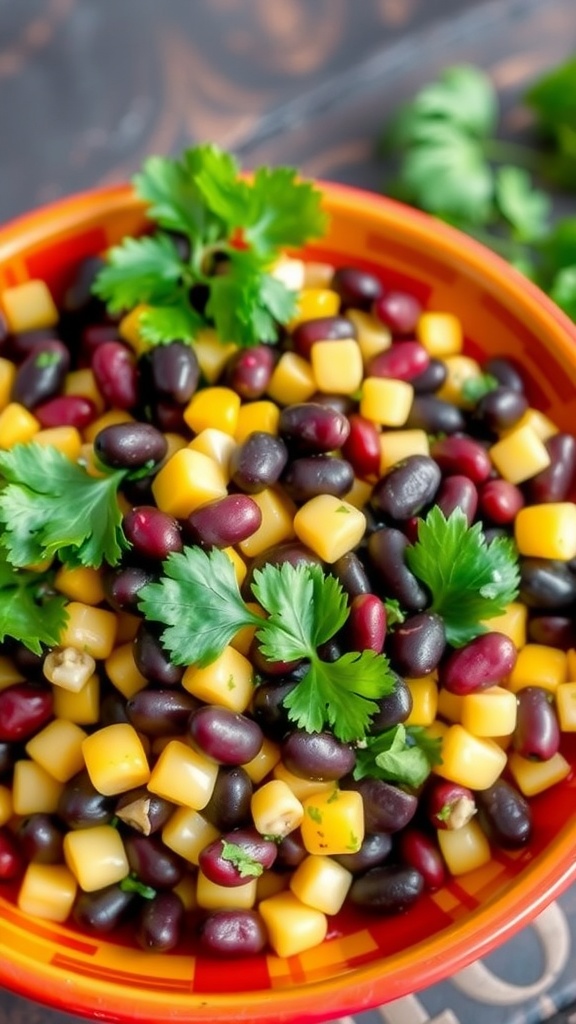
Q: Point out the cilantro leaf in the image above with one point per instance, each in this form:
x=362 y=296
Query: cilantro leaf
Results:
x=396 y=755
x=170 y=186
x=40 y=518
x=463 y=95
x=469 y=580
x=224 y=193
x=309 y=608
x=140 y=270
x=563 y=290
x=394 y=614
x=474 y=388
x=176 y=321
x=247 y=303
x=29 y=611
x=247 y=866
x=133 y=884
x=553 y=98
x=199 y=601
x=284 y=211
x=525 y=208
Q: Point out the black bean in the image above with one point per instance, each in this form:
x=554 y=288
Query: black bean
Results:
x=407 y=488
x=41 y=375
x=350 y=571
x=376 y=847
x=313 y=429
x=356 y=288
x=171 y=371
x=392 y=709
x=504 y=815
x=317 y=755
x=233 y=933
x=546 y=583
x=310 y=476
x=80 y=805
x=386 y=551
x=161 y=712
x=386 y=808
x=430 y=380
x=387 y=889
x=258 y=462
x=435 y=416
x=130 y=446
x=104 y=910
x=555 y=482
x=505 y=373
x=161 y=922
x=229 y=805
x=417 y=644
x=152 y=862
x=152 y=659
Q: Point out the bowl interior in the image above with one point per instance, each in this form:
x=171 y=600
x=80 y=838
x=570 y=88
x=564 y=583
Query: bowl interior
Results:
x=365 y=961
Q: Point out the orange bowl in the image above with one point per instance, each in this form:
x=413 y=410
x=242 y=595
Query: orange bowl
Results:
x=365 y=960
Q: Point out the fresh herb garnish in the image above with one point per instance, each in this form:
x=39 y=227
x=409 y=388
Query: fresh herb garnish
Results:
x=133 y=884
x=238 y=856
x=233 y=230
x=403 y=754
x=199 y=602
x=394 y=614
x=474 y=388
x=30 y=611
x=469 y=580
x=52 y=506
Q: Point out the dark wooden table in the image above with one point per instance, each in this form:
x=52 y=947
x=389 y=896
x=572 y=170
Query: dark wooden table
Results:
x=88 y=88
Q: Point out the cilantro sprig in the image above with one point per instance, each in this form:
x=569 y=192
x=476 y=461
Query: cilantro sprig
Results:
x=402 y=754
x=50 y=506
x=247 y=866
x=198 y=601
x=469 y=580
x=233 y=229
x=30 y=610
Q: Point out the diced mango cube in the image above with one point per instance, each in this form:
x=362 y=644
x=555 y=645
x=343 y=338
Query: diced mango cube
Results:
x=538 y=665
x=211 y=896
x=188 y=480
x=277 y=525
x=58 y=749
x=490 y=712
x=183 y=776
x=534 y=777
x=187 y=832
x=213 y=408
x=254 y=416
x=547 y=530
x=96 y=856
x=292 y=380
x=29 y=306
x=372 y=335
x=440 y=334
x=329 y=526
x=228 y=680
x=520 y=455
x=212 y=354
x=333 y=822
x=313 y=303
x=337 y=366
x=396 y=445
x=115 y=759
x=321 y=882
x=47 y=891
x=472 y=761
x=386 y=401
x=292 y=926
x=17 y=425
x=464 y=849
x=89 y=629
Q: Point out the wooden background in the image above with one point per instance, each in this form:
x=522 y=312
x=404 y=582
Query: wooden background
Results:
x=90 y=87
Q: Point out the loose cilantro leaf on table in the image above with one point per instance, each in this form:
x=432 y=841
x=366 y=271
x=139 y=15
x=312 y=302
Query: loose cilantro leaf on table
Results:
x=199 y=603
x=469 y=580
x=403 y=754
x=217 y=213
x=52 y=506
x=30 y=611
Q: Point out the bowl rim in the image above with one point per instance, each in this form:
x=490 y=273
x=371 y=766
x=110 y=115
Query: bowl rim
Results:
x=466 y=939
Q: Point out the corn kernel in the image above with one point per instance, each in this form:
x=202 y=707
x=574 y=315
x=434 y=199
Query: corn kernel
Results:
x=440 y=334
x=337 y=366
x=17 y=425
x=211 y=896
x=6 y=805
x=66 y=440
x=130 y=330
x=7 y=376
x=228 y=680
x=491 y=712
x=449 y=705
x=83 y=383
x=459 y=370
x=29 y=306
x=187 y=833
x=566 y=706
x=213 y=408
x=470 y=760
x=520 y=455
x=313 y=303
x=386 y=401
x=534 y=777
x=542 y=426
x=512 y=623
x=396 y=445
x=212 y=354
x=538 y=665
x=547 y=531
x=122 y=671
x=58 y=749
x=82 y=707
x=277 y=525
x=111 y=418
x=292 y=927
x=188 y=480
x=217 y=445
x=275 y=810
x=301 y=787
x=464 y=849
x=47 y=891
x=372 y=335
x=89 y=629
x=34 y=790
x=329 y=526
x=80 y=584
x=96 y=856
x=115 y=759
x=424 y=692
x=333 y=822
x=264 y=761
x=292 y=380
x=183 y=776
x=321 y=882
x=254 y=416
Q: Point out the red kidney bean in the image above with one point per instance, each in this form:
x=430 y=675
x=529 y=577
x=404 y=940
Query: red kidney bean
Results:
x=504 y=814
x=66 y=411
x=114 y=368
x=223 y=870
x=322 y=328
x=11 y=859
x=375 y=849
x=143 y=811
x=362 y=446
x=317 y=755
x=24 y=709
x=483 y=662
x=546 y=583
x=152 y=862
x=403 y=361
x=398 y=310
x=417 y=644
x=130 y=446
x=462 y=455
x=407 y=488
x=366 y=626
x=122 y=586
x=393 y=709
x=500 y=409
x=311 y=475
x=40 y=839
x=500 y=501
x=505 y=373
x=171 y=372
x=356 y=288
x=386 y=808
x=159 y=712
x=94 y=335
x=312 y=429
x=537 y=733
x=387 y=549
x=151 y=658
x=430 y=380
x=168 y=417
x=266 y=666
x=153 y=534
x=448 y=804
x=233 y=933
x=161 y=923
x=226 y=736
x=458 y=492
x=41 y=375
x=419 y=850
x=342 y=404
x=248 y=372
x=80 y=805
x=229 y=805
x=223 y=522
x=555 y=482
x=258 y=462
x=387 y=889
x=104 y=910
x=552 y=631
x=434 y=415
x=350 y=572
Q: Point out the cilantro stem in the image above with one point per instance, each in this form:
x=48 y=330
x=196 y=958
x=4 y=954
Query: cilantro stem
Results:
x=503 y=152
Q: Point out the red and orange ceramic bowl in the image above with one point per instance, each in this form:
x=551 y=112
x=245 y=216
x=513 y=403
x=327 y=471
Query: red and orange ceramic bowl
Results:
x=365 y=960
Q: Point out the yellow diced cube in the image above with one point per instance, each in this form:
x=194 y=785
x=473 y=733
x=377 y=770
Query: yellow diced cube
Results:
x=263 y=762
x=187 y=832
x=292 y=926
x=188 y=480
x=542 y=426
x=534 y=777
x=213 y=408
x=449 y=705
x=67 y=440
x=396 y=445
x=440 y=334
x=313 y=303
x=17 y=425
x=424 y=693
x=277 y=525
x=490 y=712
x=472 y=761
x=275 y=810
x=29 y=306
x=337 y=366
x=333 y=822
x=228 y=680
x=300 y=786
x=538 y=665
x=34 y=790
x=211 y=896
x=47 y=891
x=122 y=671
x=89 y=629
x=292 y=380
x=329 y=526
x=464 y=849
x=212 y=353
x=512 y=623
x=386 y=401
x=360 y=493
x=58 y=749
x=566 y=706
x=520 y=455
x=7 y=375
x=130 y=330
x=460 y=369
x=254 y=416
x=81 y=584
x=372 y=335
x=547 y=530
x=108 y=419
x=83 y=383
x=321 y=882
x=115 y=759
x=183 y=776
x=217 y=445
x=6 y=805
x=96 y=856
x=83 y=706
